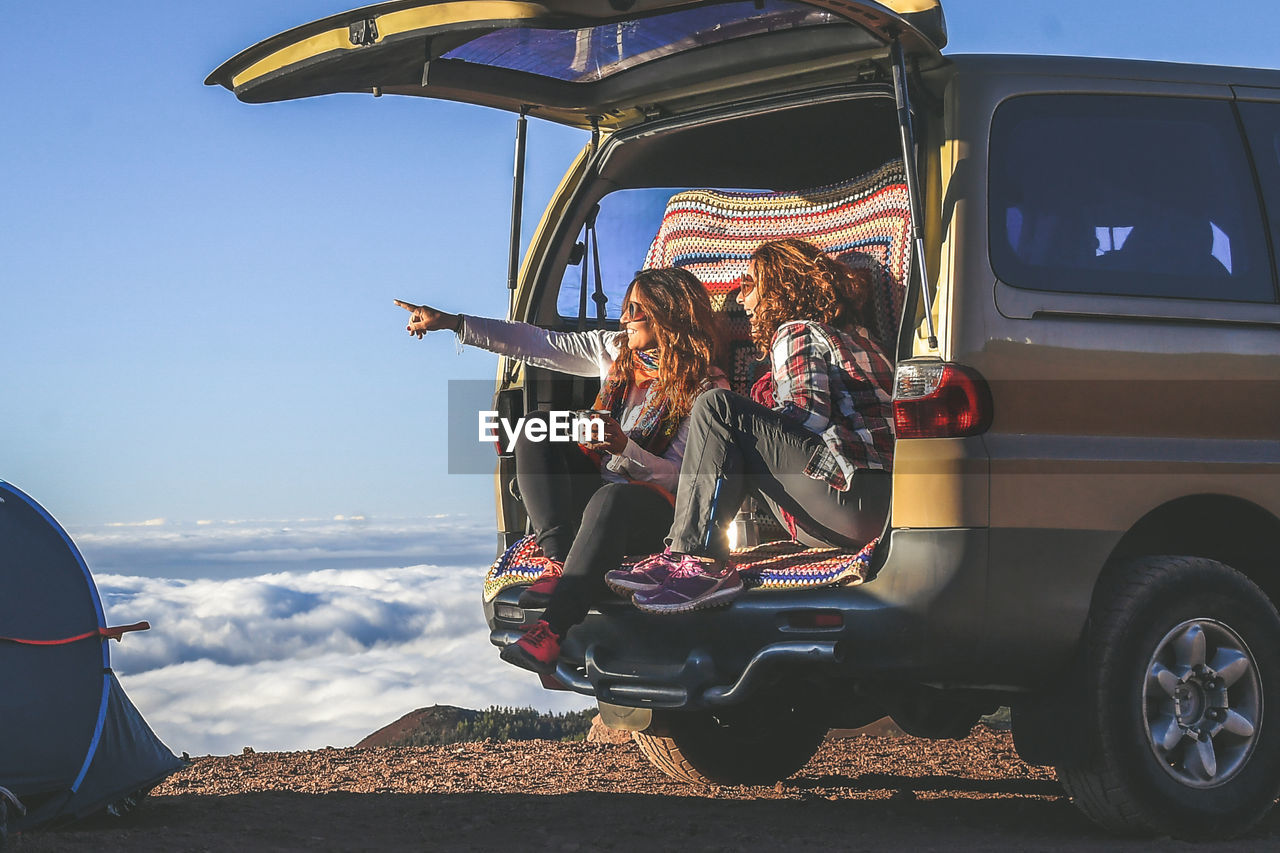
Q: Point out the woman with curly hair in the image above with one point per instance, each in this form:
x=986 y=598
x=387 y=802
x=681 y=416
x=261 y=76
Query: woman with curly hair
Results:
x=815 y=441
x=589 y=505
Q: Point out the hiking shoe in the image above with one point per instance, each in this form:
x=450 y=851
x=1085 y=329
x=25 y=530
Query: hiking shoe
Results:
x=645 y=576
x=538 y=650
x=692 y=585
x=539 y=593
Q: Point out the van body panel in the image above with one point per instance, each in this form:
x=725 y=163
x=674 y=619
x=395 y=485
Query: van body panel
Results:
x=940 y=482
x=1256 y=93
x=1020 y=303
x=1040 y=588
x=1018 y=72
x=1105 y=407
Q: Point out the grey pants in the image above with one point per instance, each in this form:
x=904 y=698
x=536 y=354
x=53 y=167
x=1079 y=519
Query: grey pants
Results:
x=736 y=448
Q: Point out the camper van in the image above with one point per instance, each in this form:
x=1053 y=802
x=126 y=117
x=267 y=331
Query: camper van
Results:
x=1075 y=267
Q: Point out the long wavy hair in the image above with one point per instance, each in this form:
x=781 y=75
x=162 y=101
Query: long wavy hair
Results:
x=688 y=332
x=797 y=281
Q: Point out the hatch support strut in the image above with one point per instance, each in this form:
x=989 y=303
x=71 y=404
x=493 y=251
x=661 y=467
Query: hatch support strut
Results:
x=517 y=208
x=907 y=131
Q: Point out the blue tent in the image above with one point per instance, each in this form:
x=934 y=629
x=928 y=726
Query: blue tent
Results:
x=71 y=742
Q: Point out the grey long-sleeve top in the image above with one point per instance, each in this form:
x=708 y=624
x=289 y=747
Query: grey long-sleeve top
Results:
x=584 y=354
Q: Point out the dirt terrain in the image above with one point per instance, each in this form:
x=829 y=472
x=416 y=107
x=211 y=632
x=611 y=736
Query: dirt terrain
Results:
x=858 y=793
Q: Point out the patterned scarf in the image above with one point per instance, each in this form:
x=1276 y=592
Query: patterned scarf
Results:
x=657 y=424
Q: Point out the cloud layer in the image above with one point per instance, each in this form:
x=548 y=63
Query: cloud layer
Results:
x=223 y=549
x=305 y=659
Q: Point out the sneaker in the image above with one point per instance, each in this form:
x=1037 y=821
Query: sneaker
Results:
x=539 y=593
x=538 y=650
x=648 y=575
x=692 y=585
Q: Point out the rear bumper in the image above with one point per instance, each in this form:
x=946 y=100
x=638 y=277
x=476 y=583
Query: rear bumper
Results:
x=919 y=619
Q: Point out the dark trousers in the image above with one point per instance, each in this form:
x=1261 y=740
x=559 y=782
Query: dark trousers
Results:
x=620 y=519
x=737 y=447
x=556 y=480
x=586 y=523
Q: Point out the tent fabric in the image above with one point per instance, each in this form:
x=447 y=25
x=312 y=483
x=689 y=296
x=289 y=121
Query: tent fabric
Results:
x=126 y=749
x=70 y=740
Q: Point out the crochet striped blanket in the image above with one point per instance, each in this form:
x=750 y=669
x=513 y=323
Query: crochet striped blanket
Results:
x=769 y=566
x=864 y=221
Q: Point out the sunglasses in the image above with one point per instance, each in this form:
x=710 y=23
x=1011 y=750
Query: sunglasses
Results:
x=633 y=313
x=746 y=284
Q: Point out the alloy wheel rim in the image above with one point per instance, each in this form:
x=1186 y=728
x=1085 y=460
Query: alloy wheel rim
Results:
x=1202 y=703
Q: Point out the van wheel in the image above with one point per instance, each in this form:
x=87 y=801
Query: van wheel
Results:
x=1183 y=710
x=751 y=748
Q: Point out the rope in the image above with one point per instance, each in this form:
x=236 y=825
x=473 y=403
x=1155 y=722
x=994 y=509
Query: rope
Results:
x=100 y=633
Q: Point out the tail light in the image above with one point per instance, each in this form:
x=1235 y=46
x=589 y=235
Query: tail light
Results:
x=936 y=399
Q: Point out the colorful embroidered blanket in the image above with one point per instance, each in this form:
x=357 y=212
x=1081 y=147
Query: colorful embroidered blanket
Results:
x=770 y=565
x=864 y=222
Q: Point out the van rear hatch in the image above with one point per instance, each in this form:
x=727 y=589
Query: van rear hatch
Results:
x=582 y=63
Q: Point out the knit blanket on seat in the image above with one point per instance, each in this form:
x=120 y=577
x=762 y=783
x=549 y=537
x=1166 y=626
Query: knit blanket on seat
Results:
x=768 y=566
x=864 y=221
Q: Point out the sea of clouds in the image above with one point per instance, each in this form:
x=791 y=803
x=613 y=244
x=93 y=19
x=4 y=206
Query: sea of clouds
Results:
x=223 y=549
x=285 y=636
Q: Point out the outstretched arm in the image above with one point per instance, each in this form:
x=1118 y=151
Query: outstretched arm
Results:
x=579 y=353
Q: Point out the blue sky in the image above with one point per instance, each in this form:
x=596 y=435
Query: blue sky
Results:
x=195 y=314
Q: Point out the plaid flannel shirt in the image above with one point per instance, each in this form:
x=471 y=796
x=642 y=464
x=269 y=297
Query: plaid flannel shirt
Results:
x=838 y=384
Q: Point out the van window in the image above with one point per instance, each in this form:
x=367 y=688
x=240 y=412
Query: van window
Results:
x=591 y=54
x=1262 y=124
x=625 y=227
x=1121 y=195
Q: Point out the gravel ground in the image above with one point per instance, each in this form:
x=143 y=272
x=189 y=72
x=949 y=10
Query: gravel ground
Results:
x=860 y=793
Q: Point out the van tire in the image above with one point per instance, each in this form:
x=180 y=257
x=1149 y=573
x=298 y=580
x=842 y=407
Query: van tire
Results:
x=1165 y=627
x=701 y=749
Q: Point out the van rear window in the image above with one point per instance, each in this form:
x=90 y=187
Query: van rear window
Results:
x=1125 y=195
x=625 y=226
x=593 y=53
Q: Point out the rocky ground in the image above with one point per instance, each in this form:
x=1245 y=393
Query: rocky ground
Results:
x=858 y=793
